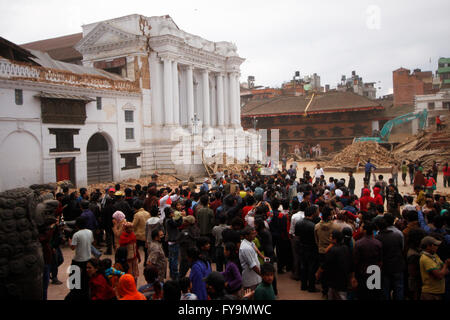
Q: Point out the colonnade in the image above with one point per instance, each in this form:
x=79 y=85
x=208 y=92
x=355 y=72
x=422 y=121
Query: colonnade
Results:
x=186 y=89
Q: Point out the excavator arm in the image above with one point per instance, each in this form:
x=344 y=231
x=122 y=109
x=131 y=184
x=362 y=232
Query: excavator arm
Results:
x=388 y=126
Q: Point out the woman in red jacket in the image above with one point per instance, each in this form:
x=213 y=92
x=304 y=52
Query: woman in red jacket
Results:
x=100 y=288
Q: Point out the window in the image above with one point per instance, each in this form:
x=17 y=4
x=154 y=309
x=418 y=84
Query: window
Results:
x=129 y=116
x=129 y=133
x=99 y=103
x=446 y=105
x=130 y=160
x=64 y=140
x=430 y=105
x=19 y=96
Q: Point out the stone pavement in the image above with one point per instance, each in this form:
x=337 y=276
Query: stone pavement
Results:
x=288 y=289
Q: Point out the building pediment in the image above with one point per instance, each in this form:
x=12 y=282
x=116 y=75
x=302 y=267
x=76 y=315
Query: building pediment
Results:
x=106 y=37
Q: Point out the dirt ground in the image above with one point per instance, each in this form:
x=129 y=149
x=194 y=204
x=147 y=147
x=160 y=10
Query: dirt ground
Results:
x=359 y=177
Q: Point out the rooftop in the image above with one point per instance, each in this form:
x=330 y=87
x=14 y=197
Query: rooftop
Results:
x=329 y=102
x=59 y=48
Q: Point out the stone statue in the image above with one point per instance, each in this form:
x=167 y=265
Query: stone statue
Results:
x=24 y=212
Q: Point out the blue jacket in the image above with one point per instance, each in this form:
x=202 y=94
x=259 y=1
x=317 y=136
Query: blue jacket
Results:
x=90 y=219
x=427 y=229
x=199 y=271
x=369 y=166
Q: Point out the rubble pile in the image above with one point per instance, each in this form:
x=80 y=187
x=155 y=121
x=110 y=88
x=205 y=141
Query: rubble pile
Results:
x=221 y=162
x=163 y=179
x=426 y=146
x=357 y=154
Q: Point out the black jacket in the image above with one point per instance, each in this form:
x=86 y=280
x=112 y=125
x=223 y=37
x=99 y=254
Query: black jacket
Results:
x=351 y=183
x=393 y=260
x=304 y=229
x=172 y=229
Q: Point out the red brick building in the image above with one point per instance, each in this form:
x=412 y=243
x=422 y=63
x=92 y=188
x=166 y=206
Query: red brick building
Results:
x=407 y=85
x=332 y=119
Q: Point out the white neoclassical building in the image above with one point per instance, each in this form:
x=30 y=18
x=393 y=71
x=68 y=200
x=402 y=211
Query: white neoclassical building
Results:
x=162 y=85
x=183 y=77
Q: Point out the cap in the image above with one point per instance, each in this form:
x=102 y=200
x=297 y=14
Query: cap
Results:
x=111 y=190
x=428 y=240
x=206 y=179
x=118 y=193
x=338 y=192
x=215 y=279
x=189 y=219
x=177 y=215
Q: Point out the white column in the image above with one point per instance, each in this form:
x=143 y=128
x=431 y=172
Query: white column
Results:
x=226 y=96
x=157 y=101
x=176 y=97
x=190 y=94
x=213 y=102
x=168 y=96
x=237 y=111
x=232 y=99
x=205 y=92
x=220 y=100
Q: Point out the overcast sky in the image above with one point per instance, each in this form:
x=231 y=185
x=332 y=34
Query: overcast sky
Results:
x=277 y=38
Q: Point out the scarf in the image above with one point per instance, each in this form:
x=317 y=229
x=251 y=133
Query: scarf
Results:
x=118 y=216
x=127 y=238
x=127 y=289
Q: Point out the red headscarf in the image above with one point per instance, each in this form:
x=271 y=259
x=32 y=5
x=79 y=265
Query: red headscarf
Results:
x=127 y=288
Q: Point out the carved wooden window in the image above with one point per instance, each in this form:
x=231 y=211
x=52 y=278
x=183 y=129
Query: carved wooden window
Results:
x=129 y=133
x=297 y=134
x=63 y=111
x=323 y=133
x=130 y=160
x=284 y=133
x=337 y=131
x=64 y=139
x=359 y=130
x=129 y=116
x=19 y=96
x=310 y=131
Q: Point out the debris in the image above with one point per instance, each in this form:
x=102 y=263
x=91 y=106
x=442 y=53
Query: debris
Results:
x=427 y=146
x=223 y=162
x=357 y=154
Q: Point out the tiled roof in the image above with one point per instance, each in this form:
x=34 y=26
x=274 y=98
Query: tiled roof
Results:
x=322 y=103
x=60 y=48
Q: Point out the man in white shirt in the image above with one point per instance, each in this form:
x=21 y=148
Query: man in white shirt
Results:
x=295 y=241
x=318 y=172
x=249 y=260
x=81 y=242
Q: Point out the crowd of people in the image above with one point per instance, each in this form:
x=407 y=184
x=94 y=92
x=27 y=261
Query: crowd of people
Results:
x=251 y=228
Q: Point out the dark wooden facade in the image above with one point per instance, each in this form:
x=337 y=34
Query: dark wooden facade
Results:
x=333 y=131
